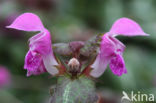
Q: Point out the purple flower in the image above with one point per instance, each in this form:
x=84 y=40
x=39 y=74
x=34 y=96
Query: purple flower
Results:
x=40 y=57
x=111 y=49
x=4 y=76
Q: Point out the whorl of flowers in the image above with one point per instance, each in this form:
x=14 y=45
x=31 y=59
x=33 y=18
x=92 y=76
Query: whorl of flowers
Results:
x=84 y=58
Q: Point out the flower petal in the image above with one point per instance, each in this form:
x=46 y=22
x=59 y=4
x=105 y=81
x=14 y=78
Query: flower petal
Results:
x=126 y=27
x=109 y=47
x=106 y=52
x=117 y=65
x=119 y=47
x=40 y=54
x=34 y=64
x=27 y=22
x=99 y=66
x=32 y=61
x=50 y=64
x=41 y=43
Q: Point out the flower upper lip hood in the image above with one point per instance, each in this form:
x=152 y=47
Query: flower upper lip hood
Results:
x=111 y=49
x=27 y=22
x=126 y=27
x=40 y=57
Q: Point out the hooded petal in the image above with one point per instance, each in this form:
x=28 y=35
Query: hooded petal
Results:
x=117 y=65
x=40 y=54
x=126 y=27
x=111 y=49
x=27 y=22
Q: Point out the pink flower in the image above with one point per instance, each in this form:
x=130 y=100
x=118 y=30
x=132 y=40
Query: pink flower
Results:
x=40 y=57
x=4 y=76
x=111 y=49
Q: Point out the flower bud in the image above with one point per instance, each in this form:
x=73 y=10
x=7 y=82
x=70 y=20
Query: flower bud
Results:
x=74 y=66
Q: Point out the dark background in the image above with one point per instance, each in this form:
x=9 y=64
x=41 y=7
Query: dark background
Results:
x=70 y=20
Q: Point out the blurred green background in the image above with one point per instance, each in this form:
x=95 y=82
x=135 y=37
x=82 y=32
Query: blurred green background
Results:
x=70 y=20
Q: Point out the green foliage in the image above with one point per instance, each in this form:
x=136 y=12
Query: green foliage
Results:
x=68 y=20
x=79 y=90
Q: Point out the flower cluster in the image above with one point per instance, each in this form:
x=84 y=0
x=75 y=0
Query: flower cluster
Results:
x=40 y=57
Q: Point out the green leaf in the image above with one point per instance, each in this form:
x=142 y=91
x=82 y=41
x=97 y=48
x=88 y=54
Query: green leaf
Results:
x=74 y=91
